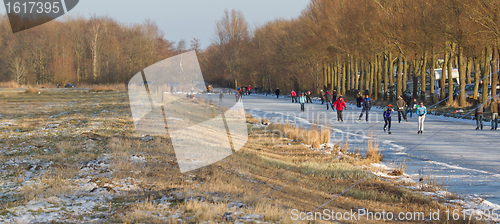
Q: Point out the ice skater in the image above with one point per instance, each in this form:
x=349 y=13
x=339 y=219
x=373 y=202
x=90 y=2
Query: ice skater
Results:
x=328 y=98
x=494 y=113
x=421 y=112
x=308 y=97
x=302 y=101
x=401 y=104
x=367 y=105
x=479 y=116
x=340 y=105
x=387 y=118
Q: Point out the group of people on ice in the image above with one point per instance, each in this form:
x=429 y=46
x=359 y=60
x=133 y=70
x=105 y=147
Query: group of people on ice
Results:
x=479 y=114
x=401 y=105
x=338 y=103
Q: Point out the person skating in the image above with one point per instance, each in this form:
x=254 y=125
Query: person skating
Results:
x=494 y=113
x=302 y=100
x=367 y=105
x=277 y=92
x=401 y=104
x=387 y=118
x=328 y=98
x=221 y=94
x=421 y=111
x=322 y=96
x=340 y=105
x=409 y=109
x=237 y=96
x=294 y=96
x=334 y=96
x=479 y=116
x=359 y=99
x=415 y=106
x=308 y=97
x=241 y=92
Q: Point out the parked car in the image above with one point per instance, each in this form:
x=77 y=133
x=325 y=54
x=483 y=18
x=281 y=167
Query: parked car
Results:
x=69 y=85
x=469 y=91
x=149 y=83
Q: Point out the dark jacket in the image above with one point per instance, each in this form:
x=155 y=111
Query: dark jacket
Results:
x=367 y=103
x=401 y=104
x=328 y=97
x=277 y=92
x=359 y=99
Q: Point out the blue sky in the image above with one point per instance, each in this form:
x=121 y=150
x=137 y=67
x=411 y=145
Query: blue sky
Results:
x=188 y=19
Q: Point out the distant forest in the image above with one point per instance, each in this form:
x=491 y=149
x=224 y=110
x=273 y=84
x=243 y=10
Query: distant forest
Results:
x=347 y=45
x=78 y=50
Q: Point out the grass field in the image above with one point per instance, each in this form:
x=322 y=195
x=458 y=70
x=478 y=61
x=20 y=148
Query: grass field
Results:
x=74 y=156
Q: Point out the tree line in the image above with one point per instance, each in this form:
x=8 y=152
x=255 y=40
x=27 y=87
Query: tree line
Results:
x=78 y=50
x=379 y=47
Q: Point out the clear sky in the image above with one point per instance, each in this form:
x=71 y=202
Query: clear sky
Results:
x=188 y=19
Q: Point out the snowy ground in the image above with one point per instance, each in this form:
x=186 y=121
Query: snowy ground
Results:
x=450 y=151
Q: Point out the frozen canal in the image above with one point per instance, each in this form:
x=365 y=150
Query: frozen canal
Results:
x=450 y=151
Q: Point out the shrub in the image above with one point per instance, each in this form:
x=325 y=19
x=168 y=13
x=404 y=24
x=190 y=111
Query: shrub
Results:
x=32 y=91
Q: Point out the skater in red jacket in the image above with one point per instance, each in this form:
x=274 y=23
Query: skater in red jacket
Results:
x=340 y=105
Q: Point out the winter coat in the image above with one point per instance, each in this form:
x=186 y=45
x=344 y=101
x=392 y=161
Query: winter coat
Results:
x=277 y=92
x=302 y=99
x=421 y=110
x=401 y=104
x=294 y=94
x=367 y=103
x=480 y=109
x=328 y=97
x=359 y=99
x=494 y=107
x=388 y=112
x=339 y=104
x=410 y=103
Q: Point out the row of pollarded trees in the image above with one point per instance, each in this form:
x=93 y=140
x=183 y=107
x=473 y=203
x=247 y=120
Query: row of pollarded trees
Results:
x=79 y=50
x=364 y=45
x=391 y=42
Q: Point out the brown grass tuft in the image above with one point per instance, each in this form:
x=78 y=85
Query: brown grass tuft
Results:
x=372 y=153
x=103 y=89
x=32 y=91
x=315 y=136
x=399 y=170
x=10 y=84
